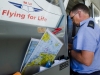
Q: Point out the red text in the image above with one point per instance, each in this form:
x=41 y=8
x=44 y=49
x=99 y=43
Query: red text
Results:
x=27 y=3
x=13 y=14
x=41 y=18
x=31 y=17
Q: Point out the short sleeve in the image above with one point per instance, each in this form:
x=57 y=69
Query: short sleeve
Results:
x=85 y=40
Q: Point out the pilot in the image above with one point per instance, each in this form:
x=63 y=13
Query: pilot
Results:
x=85 y=53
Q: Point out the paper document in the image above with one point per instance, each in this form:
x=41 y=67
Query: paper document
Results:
x=33 y=43
x=46 y=50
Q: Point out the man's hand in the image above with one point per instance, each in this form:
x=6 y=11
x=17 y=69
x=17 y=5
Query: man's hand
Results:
x=69 y=46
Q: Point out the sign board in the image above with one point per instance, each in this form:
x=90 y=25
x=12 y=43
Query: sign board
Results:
x=34 y=12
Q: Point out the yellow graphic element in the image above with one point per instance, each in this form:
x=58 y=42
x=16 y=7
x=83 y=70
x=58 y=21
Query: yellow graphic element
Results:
x=42 y=59
x=57 y=44
x=46 y=37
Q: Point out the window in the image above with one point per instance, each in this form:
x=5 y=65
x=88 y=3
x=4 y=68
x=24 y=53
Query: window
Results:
x=96 y=14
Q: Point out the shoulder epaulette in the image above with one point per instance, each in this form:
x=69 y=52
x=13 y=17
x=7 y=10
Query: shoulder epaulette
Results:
x=91 y=24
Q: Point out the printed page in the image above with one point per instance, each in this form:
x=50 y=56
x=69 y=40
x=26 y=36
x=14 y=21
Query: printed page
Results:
x=33 y=43
x=46 y=50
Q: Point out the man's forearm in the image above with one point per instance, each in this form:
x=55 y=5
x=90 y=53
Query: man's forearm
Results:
x=77 y=56
x=85 y=57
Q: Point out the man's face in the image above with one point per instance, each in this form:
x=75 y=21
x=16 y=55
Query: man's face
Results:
x=75 y=18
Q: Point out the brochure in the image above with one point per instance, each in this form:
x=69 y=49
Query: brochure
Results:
x=33 y=43
x=46 y=49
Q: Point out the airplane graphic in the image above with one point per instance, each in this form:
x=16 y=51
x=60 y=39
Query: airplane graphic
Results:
x=25 y=7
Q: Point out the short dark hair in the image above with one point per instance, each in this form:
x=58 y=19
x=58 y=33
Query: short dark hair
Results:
x=82 y=7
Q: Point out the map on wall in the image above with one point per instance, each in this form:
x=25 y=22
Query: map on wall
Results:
x=46 y=50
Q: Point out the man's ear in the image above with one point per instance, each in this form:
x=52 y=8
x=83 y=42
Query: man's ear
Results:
x=80 y=13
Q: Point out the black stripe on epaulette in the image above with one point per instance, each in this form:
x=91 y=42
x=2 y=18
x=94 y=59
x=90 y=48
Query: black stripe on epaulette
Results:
x=91 y=24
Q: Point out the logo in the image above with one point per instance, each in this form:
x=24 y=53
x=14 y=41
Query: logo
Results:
x=25 y=7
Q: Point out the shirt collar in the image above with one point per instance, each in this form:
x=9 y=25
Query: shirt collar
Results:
x=83 y=22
